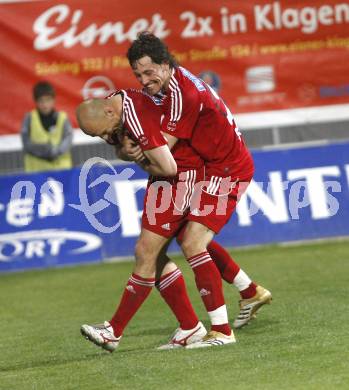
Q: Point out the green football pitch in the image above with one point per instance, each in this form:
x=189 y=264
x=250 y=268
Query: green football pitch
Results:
x=301 y=341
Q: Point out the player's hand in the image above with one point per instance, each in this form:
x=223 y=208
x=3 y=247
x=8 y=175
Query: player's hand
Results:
x=132 y=150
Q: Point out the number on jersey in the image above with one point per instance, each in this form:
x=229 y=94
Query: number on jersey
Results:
x=229 y=115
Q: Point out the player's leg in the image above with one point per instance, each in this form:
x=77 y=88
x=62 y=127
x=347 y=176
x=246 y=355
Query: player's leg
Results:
x=253 y=296
x=166 y=221
x=172 y=288
x=137 y=289
x=208 y=281
x=230 y=270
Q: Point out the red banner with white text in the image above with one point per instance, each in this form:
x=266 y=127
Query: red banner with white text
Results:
x=259 y=55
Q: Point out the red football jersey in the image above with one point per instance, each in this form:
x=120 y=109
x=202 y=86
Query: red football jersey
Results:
x=194 y=112
x=142 y=116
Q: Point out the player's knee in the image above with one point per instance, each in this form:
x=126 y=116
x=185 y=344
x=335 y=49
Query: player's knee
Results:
x=191 y=247
x=144 y=254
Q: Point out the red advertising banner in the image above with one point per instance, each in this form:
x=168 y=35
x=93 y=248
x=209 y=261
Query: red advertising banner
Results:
x=260 y=55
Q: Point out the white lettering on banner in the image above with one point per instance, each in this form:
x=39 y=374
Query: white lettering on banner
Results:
x=272 y=203
x=346 y=167
x=41 y=243
x=300 y=198
x=312 y=192
x=16 y=246
x=232 y=23
x=127 y=202
x=55 y=245
x=40 y=248
x=35 y=248
x=46 y=27
x=322 y=204
x=193 y=21
x=50 y=27
x=20 y=209
x=20 y=212
x=274 y=17
x=52 y=199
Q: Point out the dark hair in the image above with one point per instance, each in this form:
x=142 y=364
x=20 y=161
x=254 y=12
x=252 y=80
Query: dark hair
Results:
x=43 y=88
x=147 y=44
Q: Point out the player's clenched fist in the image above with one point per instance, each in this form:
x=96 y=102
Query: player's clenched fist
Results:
x=132 y=150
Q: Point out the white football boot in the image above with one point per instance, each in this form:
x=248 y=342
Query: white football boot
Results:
x=249 y=307
x=213 y=339
x=101 y=335
x=182 y=338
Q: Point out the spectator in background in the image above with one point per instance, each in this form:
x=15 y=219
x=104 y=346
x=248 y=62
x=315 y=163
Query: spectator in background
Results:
x=46 y=133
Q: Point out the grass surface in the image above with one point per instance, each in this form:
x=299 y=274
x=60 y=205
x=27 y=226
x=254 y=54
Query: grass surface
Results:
x=301 y=341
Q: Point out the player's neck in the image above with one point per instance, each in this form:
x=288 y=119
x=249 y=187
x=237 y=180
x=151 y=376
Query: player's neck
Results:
x=167 y=82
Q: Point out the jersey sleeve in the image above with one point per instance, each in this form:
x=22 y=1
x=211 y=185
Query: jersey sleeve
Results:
x=181 y=112
x=142 y=121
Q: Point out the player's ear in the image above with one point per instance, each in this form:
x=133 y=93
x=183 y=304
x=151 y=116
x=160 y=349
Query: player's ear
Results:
x=109 y=111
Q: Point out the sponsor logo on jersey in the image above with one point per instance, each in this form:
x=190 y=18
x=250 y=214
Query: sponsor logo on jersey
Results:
x=171 y=126
x=143 y=140
x=197 y=82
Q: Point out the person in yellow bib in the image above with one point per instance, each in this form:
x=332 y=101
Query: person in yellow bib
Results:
x=46 y=133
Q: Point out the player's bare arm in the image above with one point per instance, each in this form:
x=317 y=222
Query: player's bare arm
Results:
x=171 y=140
x=131 y=151
x=161 y=162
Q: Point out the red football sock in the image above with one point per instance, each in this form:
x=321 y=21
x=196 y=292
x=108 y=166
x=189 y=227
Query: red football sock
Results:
x=224 y=262
x=249 y=292
x=136 y=292
x=229 y=270
x=209 y=283
x=172 y=288
x=223 y=328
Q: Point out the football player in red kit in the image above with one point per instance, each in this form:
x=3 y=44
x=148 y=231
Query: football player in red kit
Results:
x=221 y=192
x=112 y=119
x=193 y=112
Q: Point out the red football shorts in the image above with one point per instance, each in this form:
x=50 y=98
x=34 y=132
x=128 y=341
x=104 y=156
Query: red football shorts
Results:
x=215 y=203
x=170 y=203
x=167 y=202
